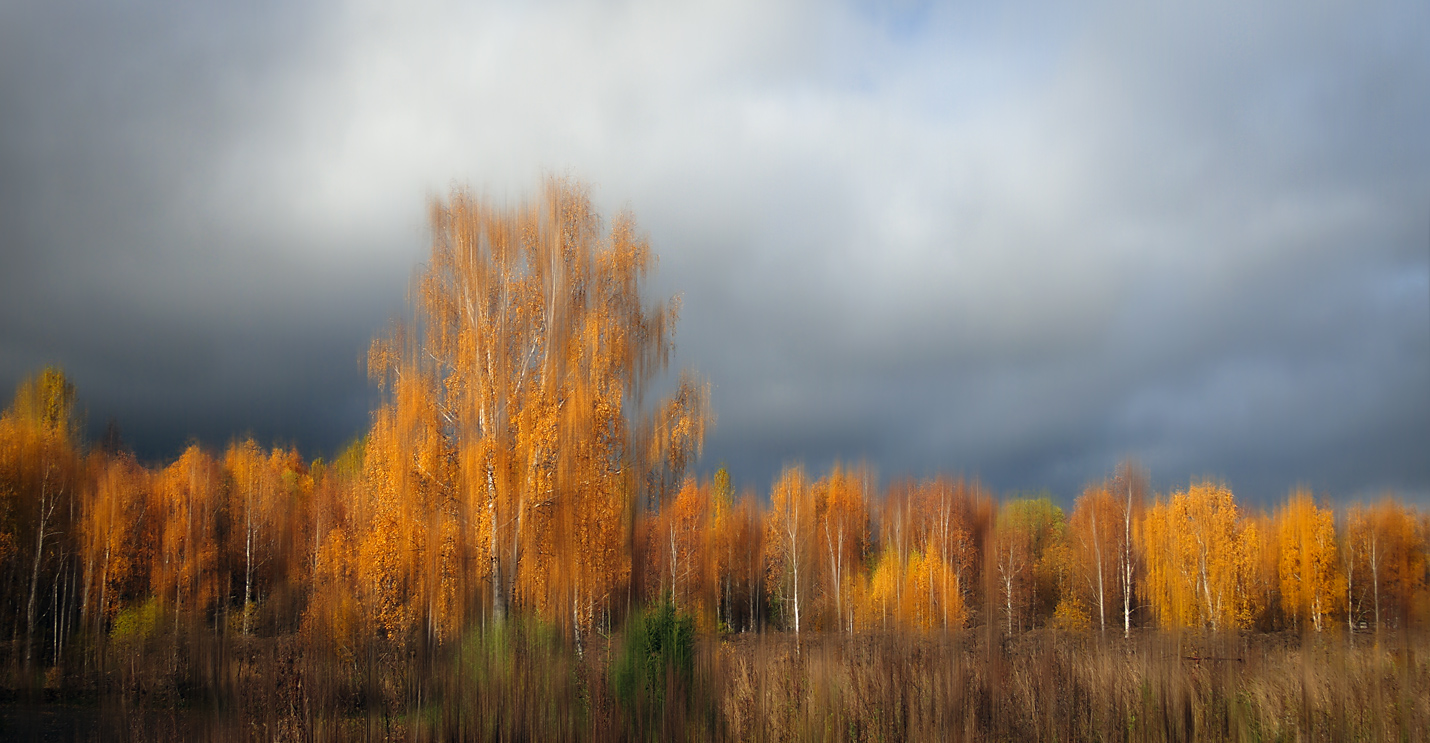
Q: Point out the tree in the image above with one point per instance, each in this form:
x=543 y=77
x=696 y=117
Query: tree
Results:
x=1306 y=543
x=534 y=343
x=1387 y=561
x=254 y=502
x=679 y=546
x=38 y=435
x=788 y=531
x=1094 y=525
x=1129 y=484
x=1102 y=526
x=1026 y=529
x=946 y=521
x=114 y=550
x=720 y=544
x=1200 y=559
x=186 y=498
x=842 y=515
x=749 y=555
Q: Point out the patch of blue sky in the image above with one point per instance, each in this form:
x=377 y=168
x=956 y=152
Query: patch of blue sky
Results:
x=948 y=60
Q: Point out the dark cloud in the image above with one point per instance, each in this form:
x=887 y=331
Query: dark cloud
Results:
x=1020 y=243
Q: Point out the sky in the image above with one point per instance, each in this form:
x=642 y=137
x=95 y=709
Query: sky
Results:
x=1020 y=243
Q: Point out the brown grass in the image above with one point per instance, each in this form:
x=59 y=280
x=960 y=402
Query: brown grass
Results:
x=1056 y=686
x=527 y=685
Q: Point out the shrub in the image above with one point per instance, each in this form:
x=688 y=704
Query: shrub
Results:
x=653 y=676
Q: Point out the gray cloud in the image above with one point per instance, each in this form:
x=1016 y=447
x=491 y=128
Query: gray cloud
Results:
x=1020 y=244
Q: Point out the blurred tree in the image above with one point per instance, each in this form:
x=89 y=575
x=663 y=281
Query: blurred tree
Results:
x=1028 y=565
x=789 y=532
x=39 y=463
x=1201 y=559
x=534 y=346
x=1306 y=542
x=1102 y=525
x=185 y=496
x=1387 y=557
x=842 y=516
x=116 y=553
x=1094 y=526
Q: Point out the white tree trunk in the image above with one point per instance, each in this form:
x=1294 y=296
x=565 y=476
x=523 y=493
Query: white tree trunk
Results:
x=1097 y=552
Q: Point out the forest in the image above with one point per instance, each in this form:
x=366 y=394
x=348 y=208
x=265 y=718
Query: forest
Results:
x=517 y=548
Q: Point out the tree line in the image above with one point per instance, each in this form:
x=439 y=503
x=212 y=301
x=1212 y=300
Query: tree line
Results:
x=517 y=466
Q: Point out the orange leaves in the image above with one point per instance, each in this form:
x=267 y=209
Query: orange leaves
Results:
x=1307 y=564
x=506 y=443
x=46 y=403
x=116 y=548
x=789 y=531
x=1026 y=566
x=1104 y=554
x=842 y=526
x=920 y=592
x=679 y=433
x=1387 y=548
x=678 y=545
x=1201 y=558
x=186 y=496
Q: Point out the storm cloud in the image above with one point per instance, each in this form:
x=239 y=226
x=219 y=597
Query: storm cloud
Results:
x=1020 y=244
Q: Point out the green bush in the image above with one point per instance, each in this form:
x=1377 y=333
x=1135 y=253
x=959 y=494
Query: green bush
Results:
x=657 y=657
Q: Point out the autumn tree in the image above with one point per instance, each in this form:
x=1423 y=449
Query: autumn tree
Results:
x=534 y=344
x=842 y=522
x=748 y=561
x=1026 y=532
x=39 y=463
x=1307 y=564
x=898 y=537
x=1101 y=526
x=789 y=532
x=252 y=503
x=678 y=546
x=957 y=517
x=1094 y=524
x=930 y=535
x=1200 y=559
x=722 y=529
x=185 y=497
x=1387 y=561
x=409 y=508
x=116 y=554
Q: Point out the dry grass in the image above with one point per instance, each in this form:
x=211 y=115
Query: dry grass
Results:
x=1056 y=686
x=527 y=685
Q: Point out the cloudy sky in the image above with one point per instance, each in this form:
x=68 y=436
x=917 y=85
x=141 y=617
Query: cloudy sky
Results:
x=1019 y=244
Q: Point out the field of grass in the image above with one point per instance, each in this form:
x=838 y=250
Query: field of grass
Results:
x=524 y=684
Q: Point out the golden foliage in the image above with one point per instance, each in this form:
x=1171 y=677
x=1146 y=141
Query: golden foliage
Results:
x=1201 y=558
x=1307 y=564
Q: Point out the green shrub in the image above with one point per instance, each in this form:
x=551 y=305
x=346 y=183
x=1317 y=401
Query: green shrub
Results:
x=657 y=656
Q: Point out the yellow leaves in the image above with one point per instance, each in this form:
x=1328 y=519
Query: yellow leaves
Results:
x=1307 y=564
x=679 y=432
x=1201 y=557
x=1387 y=553
x=115 y=543
x=384 y=581
x=46 y=403
x=184 y=499
x=1071 y=614
x=788 y=533
x=919 y=592
x=534 y=335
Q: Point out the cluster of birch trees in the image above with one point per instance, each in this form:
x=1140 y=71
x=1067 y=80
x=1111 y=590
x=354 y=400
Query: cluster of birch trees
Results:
x=516 y=464
x=837 y=554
